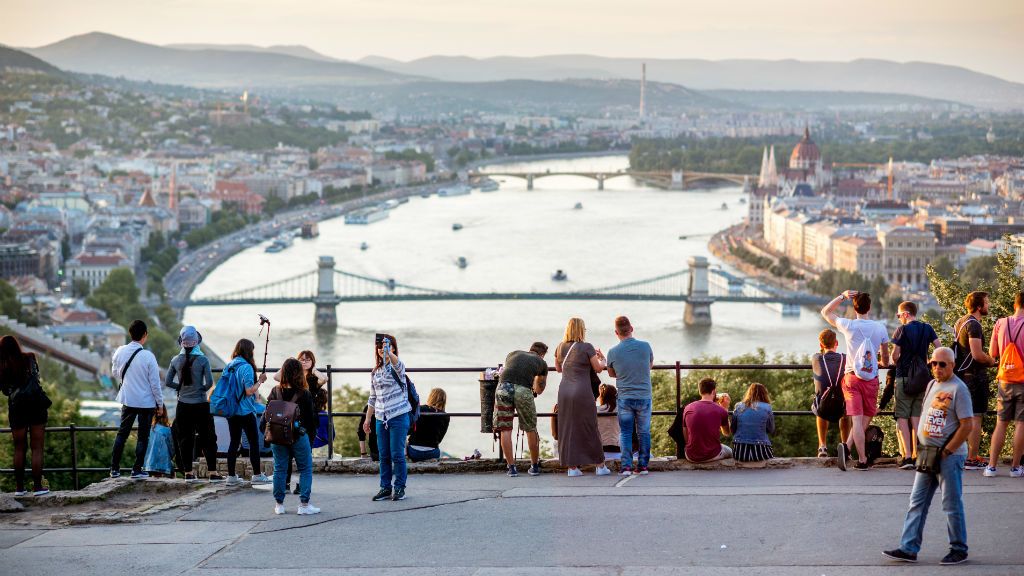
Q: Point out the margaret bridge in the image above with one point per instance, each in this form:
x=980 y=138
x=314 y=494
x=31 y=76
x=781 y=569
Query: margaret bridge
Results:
x=697 y=287
x=670 y=179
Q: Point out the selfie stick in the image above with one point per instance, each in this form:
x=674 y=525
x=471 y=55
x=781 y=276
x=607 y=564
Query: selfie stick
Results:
x=266 y=343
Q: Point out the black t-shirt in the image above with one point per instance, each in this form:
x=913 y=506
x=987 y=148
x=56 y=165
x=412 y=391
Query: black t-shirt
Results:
x=521 y=367
x=913 y=338
x=967 y=367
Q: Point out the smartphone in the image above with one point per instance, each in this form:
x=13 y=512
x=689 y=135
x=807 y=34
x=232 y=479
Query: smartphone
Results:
x=378 y=339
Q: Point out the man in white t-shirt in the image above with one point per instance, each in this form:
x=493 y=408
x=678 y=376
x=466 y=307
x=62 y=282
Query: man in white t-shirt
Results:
x=867 y=349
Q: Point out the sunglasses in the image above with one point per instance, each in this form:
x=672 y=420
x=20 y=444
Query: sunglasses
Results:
x=938 y=363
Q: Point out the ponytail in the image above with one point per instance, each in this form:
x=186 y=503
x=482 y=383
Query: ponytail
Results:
x=186 y=367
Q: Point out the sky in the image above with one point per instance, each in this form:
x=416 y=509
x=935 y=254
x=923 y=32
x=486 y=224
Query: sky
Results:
x=983 y=35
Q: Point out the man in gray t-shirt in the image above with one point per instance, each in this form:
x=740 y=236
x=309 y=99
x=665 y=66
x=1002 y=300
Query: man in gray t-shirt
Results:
x=946 y=421
x=630 y=362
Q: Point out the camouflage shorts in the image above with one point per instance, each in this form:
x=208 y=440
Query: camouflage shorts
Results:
x=509 y=400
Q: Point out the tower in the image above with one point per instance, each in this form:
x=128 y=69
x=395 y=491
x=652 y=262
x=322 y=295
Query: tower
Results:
x=172 y=192
x=643 y=90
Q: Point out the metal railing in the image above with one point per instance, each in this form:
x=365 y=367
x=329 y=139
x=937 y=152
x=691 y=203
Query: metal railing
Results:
x=677 y=368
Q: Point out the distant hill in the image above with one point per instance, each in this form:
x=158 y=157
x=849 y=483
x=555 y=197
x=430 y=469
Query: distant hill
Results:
x=297 y=50
x=879 y=76
x=820 y=101
x=99 y=53
x=11 y=59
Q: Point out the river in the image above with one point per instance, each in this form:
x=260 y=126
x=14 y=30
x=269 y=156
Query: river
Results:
x=513 y=240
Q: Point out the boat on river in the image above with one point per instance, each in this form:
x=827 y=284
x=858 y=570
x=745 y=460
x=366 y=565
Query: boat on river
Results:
x=559 y=276
x=461 y=262
x=366 y=216
x=364 y=246
x=456 y=227
x=456 y=190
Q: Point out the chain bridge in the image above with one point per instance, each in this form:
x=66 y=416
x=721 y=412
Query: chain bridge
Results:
x=697 y=287
x=671 y=179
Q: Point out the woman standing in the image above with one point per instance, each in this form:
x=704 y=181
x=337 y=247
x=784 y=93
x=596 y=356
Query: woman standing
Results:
x=425 y=441
x=579 y=442
x=189 y=375
x=28 y=409
x=315 y=381
x=752 y=422
x=389 y=404
x=293 y=389
x=243 y=366
x=827 y=367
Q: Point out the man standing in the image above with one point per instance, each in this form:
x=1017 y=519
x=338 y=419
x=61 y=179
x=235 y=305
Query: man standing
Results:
x=524 y=377
x=972 y=367
x=865 y=344
x=630 y=362
x=702 y=422
x=946 y=421
x=1006 y=346
x=140 y=396
x=910 y=347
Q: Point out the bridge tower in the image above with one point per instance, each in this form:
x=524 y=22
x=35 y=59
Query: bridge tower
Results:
x=529 y=181
x=326 y=299
x=677 y=180
x=600 y=181
x=698 y=303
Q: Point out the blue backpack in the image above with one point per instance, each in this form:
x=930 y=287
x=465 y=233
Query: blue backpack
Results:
x=227 y=395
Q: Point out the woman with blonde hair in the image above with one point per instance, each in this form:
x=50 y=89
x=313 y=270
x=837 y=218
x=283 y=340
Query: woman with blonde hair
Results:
x=425 y=441
x=827 y=367
x=579 y=442
x=752 y=421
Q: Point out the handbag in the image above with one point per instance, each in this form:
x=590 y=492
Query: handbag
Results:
x=929 y=459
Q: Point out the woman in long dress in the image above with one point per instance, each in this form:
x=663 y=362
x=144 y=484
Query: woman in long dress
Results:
x=579 y=442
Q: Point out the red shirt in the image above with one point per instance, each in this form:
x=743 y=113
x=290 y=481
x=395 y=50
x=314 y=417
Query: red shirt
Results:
x=703 y=421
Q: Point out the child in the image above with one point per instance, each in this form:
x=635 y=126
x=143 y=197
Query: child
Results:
x=160 y=453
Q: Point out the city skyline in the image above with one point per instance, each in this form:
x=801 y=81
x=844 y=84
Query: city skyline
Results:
x=985 y=40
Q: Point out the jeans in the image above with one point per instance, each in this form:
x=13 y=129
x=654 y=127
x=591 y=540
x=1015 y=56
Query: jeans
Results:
x=421 y=455
x=950 y=479
x=237 y=425
x=128 y=415
x=639 y=411
x=391 y=445
x=303 y=456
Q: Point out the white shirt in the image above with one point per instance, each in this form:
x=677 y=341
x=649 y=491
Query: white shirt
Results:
x=856 y=332
x=141 y=385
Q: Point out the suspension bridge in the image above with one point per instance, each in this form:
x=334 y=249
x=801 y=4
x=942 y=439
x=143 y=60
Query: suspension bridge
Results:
x=670 y=179
x=697 y=287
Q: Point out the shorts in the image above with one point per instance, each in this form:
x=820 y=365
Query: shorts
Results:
x=981 y=392
x=861 y=395
x=1010 y=402
x=510 y=399
x=906 y=406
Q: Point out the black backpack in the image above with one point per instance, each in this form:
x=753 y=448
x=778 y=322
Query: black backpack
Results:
x=831 y=405
x=873 y=438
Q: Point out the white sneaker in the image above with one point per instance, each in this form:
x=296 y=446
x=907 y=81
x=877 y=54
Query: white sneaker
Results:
x=1016 y=471
x=233 y=481
x=20 y=493
x=278 y=508
x=989 y=472
x=603 y=470
x=260 y=478
x=574 y=472
x=308 y=509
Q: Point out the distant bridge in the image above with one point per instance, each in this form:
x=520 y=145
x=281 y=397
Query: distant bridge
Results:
x=328 y=287
x=671 y=179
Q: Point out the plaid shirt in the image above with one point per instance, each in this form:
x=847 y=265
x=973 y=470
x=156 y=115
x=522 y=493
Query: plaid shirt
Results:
x=388 y=398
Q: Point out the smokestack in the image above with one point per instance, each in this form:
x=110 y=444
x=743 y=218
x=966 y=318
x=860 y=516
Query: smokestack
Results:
x=643 y=90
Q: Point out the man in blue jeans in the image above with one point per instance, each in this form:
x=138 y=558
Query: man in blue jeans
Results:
x=946 y=421
x=630 y=362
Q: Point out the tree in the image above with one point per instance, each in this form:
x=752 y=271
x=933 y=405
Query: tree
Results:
x=10 y=306
x=981 y=270
x=347 y=398
x=80 y=287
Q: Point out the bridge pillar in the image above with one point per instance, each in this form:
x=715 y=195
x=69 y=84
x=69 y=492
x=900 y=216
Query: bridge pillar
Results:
x=697 y=311
x=677 y=180
x=326 y=299
x=600 y=181
x=529 y=181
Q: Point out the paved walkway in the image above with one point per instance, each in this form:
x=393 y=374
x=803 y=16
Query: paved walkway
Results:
x=723 y=522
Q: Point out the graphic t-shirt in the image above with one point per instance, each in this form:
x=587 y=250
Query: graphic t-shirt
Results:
x=945 y=405
x=703 y=420
x=872 y=335
x=913 y=338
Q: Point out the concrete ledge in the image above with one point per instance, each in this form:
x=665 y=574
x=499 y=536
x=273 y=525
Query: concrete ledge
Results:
x=104 y=490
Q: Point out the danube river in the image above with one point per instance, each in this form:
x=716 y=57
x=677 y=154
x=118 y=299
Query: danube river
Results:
x=513 y=240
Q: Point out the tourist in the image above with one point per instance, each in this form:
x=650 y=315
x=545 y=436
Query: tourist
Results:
x=389 y=404
x=828 y=366
x=702 y=422
x=910 y=344
x=160 y=453
x=972 y=364
x=243 y=372
x=293 y=389
x=425 y=440
x=630 y=362
x=608 y=426
x=866 y=343
x=140 y=397
x=525 y=376
x=945 y=423
x=1006 y=347
x=367 y=440
x=579 y=443
x=752 y=421
x=316 y=381
x=27 y=409
x=189 y=375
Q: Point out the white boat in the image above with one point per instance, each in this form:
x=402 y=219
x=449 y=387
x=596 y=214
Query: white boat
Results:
x=366 y=216
x=390 y=204
x=456 y=190
x=280 y=243
x=488 y=185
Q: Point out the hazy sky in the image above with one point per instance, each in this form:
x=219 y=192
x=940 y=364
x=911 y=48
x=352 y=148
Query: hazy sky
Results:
x=984 y=35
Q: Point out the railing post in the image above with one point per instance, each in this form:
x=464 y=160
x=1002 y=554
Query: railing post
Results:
x=74 y=456
x=679 y=384
x=330 y=414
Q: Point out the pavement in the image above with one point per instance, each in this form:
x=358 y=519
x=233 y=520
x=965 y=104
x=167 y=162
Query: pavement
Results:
x=801 y=520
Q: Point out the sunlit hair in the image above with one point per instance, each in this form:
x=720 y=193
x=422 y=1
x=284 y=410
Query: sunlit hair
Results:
x=908 y=307
x=827 y=339
x=575 y=330
x=757 y=392
x=437 y=399
x=607 y=395
x=1018 y=300
x=291 y=375
x=378 y=359
x=975 y=301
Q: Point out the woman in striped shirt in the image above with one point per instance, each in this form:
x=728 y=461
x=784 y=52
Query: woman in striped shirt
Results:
x=389 y=403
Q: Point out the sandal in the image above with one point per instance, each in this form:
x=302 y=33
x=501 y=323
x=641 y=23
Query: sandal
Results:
x=822 y=452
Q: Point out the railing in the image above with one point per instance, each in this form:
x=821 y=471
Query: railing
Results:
x=677 y=368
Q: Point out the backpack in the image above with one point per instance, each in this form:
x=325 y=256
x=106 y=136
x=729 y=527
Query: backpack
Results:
x=413 y=397
x=873 y=438
x=283 y=418
x=918 y=375
x=831 y=405
x=958 y=350
x=864 y=365
x=1011 y=366
x=227 y=395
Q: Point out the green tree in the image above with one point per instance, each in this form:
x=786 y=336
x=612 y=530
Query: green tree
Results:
x=347 y=398
x=10 y=306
